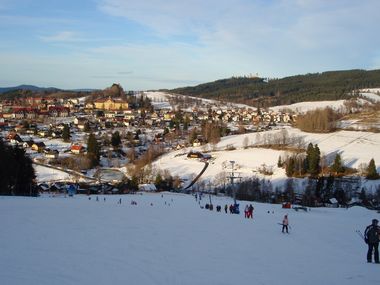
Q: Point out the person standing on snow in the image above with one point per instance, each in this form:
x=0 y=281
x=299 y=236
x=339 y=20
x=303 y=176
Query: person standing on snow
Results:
x=246 y=212
x=250 y=211
x=285 y=223
x=371 y=237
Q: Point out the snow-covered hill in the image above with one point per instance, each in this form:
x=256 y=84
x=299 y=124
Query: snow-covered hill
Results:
x=169 y=239
x=354 y=147
x=160 y=100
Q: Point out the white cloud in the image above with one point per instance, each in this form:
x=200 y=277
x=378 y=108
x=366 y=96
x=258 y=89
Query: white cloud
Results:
x=308 y=33
x=64 y=36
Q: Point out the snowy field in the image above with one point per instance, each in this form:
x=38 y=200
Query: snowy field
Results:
x=355 y=148
x=45 y=174
x=75 y=240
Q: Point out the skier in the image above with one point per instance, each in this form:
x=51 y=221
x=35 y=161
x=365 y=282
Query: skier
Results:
x=371 y=237
x=285 y=223
x=246 y=211
x=250 y=211
x=226 y=208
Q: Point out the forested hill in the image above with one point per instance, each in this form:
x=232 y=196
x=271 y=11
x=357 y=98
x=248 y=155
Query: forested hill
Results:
x=331 y=85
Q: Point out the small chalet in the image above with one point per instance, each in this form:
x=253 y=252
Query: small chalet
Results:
x=77 y=148
x=81 y=123
x=333 y=203
x=147 y=187
x=49 y=153
x=197 y=142
x=38 y=146
x=195 y=154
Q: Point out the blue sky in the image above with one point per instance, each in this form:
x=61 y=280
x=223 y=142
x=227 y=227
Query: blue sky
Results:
x=151 y=44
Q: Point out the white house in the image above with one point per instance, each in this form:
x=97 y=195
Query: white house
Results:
x=147 y=187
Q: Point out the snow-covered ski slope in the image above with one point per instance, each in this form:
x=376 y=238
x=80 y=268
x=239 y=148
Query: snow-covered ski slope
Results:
x=354 y=147
x=51 y=241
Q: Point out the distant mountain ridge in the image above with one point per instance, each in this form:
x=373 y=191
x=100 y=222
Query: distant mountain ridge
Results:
x=263 y=92
x=27 y=87
x=33 y=88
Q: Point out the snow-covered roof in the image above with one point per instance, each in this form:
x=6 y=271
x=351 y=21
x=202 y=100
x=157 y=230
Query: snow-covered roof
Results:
x=147 y=187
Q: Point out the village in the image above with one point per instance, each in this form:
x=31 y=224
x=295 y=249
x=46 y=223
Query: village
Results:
x=142 y=121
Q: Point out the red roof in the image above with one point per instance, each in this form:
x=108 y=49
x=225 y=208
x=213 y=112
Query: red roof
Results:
x=26 y=110
x=76 y=147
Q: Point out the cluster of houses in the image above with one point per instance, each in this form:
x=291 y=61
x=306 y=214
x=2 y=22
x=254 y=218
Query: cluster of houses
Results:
x=108 y=113
x=117 y=111
x=39 y=146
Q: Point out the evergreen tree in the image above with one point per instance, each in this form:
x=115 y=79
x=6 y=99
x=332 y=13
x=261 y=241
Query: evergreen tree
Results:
x=340 y=195
x=337 y=166
x=193 y=135
x=115 y=139
x=6 y=168
x=313 y=157
x=289 y=194
x=24 y=174
x=66 y=133
x=133 y=183
x=279 y=162
x=93 y=150
x=86 y=127
x=16 y=172
x=158 y=181
x=290 y=167
x=363 y=195
x=328 y=188
x=186 y=123
x=371 y=170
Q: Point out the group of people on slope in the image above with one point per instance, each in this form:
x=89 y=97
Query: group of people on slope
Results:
x=248 y=211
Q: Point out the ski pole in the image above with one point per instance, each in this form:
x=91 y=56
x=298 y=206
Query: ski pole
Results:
x=360 y=234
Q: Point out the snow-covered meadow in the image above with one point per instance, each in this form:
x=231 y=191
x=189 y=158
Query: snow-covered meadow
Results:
x=169 y=239
x=355 y=148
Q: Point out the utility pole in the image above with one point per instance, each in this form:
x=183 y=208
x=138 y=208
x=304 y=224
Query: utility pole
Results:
x=232 y=179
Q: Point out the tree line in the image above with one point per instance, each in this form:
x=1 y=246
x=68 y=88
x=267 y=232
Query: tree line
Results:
x=260 y=92
x=313 y=165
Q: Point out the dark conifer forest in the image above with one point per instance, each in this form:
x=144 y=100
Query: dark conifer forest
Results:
x=264 y=92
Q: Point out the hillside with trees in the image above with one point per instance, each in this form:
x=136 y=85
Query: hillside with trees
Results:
x=261 y=92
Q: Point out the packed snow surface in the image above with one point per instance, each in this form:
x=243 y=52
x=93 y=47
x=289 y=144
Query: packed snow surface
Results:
x=169 y=239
